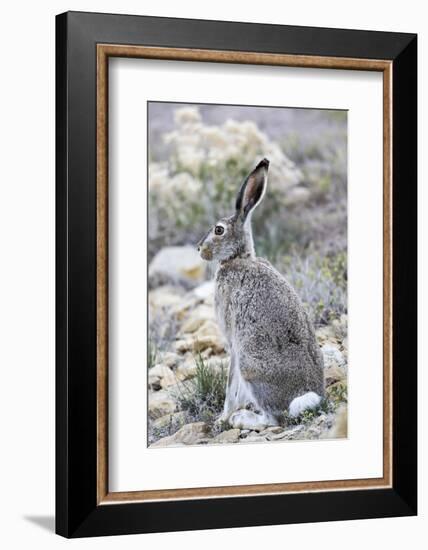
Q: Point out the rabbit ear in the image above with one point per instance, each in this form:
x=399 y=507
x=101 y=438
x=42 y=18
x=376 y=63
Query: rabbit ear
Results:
x=252 y=190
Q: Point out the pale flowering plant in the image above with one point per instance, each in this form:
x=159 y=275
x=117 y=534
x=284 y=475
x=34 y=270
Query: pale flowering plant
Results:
x=197 y=181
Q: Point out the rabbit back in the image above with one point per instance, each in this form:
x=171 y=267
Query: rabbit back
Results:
x=268 y=332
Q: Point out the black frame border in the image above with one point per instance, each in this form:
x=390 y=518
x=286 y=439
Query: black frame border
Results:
x=77 y=512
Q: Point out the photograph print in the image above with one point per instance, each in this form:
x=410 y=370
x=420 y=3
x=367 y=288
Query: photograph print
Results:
x=247 y=274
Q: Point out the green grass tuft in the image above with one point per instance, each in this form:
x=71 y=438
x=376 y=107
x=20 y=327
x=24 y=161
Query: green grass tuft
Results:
x=202 y=397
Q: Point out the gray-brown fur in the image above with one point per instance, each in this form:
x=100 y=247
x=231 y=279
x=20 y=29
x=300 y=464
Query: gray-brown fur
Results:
x=270 y=337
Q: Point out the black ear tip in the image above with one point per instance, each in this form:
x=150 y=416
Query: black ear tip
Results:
x=264 y=163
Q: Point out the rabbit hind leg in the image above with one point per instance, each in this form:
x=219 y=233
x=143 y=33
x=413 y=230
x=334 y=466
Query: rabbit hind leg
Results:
x=239 y=394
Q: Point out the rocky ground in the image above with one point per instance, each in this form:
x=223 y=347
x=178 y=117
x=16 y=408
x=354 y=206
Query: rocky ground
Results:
x=188 y=369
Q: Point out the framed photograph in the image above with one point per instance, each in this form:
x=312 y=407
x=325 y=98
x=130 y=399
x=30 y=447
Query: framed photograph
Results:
x=236 y=274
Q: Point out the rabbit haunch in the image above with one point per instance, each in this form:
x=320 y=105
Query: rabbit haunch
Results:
x=275 y=361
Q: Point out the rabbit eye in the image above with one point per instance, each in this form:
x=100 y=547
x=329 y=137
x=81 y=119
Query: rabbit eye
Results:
x=219 y=230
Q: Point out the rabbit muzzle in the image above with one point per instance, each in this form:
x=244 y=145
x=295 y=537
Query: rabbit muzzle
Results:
x=205 y=251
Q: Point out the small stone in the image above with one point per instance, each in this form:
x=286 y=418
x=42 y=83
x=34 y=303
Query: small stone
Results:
x=181 y=310
x=200 y=344
x=154 y=382
x=167 y=377
x=169 y=420
x=160 y=404
x=333 y=374
x=208 y=328
x=324 y=333
x=313 y=432
x=197 y=317
x=189 y=434
x=170 y=359
x=274 y=430
x=229 y=436
x=206 y=353
x=192 y=325
x=208 y=342
x=186 y=370
x=184 y=345
x=275 y=437
x=292 y=433
x=321 y=419
x=332 y=356
x=159 y=370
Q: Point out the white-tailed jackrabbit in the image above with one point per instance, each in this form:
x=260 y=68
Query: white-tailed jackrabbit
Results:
x=275 y=361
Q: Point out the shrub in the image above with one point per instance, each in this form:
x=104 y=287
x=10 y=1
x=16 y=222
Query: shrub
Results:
x=198 y=182
x=320 y=281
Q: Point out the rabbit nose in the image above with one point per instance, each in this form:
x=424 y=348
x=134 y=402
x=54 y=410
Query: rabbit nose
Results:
x=201 y=242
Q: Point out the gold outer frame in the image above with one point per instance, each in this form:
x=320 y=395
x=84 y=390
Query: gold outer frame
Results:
x=104 y=52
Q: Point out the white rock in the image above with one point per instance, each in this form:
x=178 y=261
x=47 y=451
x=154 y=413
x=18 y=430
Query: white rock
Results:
x=205 y=290
x=160 y=370
x=177 y=264
x=332 y=356
x=164 y=297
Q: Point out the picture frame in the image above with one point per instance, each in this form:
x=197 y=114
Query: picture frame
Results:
x=84 y=44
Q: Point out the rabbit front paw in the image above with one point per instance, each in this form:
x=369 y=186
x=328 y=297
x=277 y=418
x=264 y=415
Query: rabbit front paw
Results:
x=249 y=420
